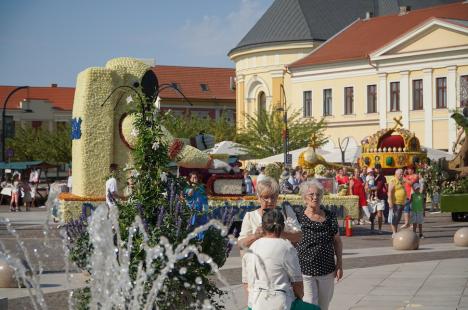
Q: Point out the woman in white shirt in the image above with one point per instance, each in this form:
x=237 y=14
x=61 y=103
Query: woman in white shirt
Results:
x=251 y=230
x=272 y=268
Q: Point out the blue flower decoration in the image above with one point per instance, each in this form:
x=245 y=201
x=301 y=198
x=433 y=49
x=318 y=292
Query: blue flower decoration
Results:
x=76 y=128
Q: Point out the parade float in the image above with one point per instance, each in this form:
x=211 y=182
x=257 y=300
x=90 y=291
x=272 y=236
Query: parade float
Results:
x=454 y=196
x=392 y=148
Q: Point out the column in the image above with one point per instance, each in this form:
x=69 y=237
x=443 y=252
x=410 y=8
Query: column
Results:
x=240 y=103
x=382 y=100
x=276 y=92
x=404 y=98
x=427 y=103
x=451 y=105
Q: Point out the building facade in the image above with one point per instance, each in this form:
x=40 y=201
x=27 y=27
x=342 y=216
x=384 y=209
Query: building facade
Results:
x=412 y=63
x=209 y=92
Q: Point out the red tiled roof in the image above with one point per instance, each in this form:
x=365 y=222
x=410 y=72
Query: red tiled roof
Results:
x=60 y=97
x=189 y=79
x=366 y=36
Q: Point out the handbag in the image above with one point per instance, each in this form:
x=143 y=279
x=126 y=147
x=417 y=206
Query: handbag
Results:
x=298 y=304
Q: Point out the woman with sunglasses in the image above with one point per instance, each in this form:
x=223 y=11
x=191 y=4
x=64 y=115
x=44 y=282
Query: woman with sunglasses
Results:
x=320 y=244
x=251 y=230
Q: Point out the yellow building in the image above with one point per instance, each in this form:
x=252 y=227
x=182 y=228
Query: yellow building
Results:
x=410 y=64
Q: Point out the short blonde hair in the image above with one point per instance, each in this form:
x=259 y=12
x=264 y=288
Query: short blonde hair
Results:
x=304 y=187
x=268 y=186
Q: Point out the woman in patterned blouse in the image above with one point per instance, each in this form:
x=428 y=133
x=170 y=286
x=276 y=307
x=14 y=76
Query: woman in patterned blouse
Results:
x=320 y=244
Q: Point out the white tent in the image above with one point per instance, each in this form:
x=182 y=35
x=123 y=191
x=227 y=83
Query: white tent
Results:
x=352 y=153
x=434 y=154
x=226 y=147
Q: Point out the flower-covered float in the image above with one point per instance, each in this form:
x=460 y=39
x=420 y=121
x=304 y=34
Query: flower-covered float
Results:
x=104 y=132
x=392 y=148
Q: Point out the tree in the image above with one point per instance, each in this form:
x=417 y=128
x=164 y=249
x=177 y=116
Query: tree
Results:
x=263 y=134
x=189 y=126
x=39 y=144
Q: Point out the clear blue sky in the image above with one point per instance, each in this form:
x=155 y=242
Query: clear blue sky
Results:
x=51 y=41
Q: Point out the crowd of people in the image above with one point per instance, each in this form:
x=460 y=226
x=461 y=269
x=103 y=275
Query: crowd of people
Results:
x=22 y=192
x=402 y=197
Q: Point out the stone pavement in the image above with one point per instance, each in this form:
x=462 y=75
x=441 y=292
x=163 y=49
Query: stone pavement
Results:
x=439 y=284
x=376 y=276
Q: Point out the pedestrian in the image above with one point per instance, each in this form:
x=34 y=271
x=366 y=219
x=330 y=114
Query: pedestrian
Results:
x=26 y=194
x=70 y=181
x=396 y=200
x=249 y=189
x=417 y=209
x=267 y=194
x=409 y=179
x=33 y=184
x=376 y=208
x=356 y=187
x=381 y=191
x=341 y=178
x=319 y=246
x=285 y=186
x=112 y=193
x=272 y=269
x=15 y=194
x=251 y=229
x=195 y=193
x=295 y=179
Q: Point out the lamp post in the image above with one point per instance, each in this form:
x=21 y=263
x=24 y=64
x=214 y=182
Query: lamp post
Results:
x=285 y=133
x=3 y=117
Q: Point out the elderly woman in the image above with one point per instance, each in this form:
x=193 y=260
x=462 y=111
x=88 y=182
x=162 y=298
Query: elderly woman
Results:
x=320 y=244
x=251 y=230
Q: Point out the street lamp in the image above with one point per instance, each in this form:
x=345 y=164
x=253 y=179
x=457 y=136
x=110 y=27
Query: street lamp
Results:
x=285 y=133
x=3 y=117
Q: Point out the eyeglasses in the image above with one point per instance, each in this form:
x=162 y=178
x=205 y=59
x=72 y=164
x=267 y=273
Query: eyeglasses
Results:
x=313 y=195
x=268 y=198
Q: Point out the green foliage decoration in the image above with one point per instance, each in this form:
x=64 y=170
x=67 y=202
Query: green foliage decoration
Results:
x=156 y=198
x=263 y=133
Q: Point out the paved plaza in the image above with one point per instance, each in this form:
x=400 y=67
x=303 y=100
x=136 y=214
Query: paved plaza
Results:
x=376 y=276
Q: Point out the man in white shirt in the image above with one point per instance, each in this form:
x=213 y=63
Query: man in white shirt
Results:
x=111 y=187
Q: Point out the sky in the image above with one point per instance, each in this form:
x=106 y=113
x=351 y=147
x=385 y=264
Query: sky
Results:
x=51 y=41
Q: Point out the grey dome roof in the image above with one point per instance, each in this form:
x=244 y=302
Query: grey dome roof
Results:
x=318 y=20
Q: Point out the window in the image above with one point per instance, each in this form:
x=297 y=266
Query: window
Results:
x=9 y=127
x=261 y=102
x=371 y=98
x=418 y=95
x=201 y=114
x=394 y=96
x=327 y=102
x=464 y=91
x=307 y=104
x=204 y=87
x=349 y=100
x=441 y=96
x=36 y=124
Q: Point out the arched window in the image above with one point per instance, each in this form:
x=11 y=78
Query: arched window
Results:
x=261 y=102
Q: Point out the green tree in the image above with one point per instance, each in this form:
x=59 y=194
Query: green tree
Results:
x=189 y=126
x=263 y=134
x=39 y=144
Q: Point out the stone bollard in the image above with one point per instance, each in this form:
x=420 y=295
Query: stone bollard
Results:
x=406 y=240
x=461 y=237
x=7 y=275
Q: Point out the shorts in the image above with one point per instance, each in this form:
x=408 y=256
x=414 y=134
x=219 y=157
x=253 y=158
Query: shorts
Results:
x=417 y=218
x=394 y=214
x=407 y=208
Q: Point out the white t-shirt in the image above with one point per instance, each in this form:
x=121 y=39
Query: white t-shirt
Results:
x=273 y=265
x=69 y=183
x=111 y=187
x=252 y=220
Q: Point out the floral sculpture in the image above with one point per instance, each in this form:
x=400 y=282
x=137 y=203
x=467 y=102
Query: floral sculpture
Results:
x=104 y=107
